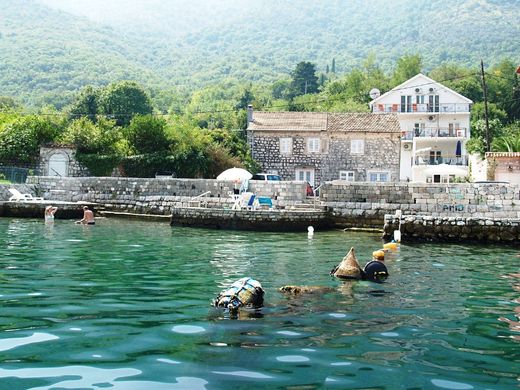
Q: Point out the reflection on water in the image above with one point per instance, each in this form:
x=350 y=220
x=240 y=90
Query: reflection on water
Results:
x=127 y=305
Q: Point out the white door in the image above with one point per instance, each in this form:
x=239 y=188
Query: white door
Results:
x=58 y=165
x=305 y=174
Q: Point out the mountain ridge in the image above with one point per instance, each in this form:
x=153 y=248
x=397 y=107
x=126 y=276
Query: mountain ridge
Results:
x=52 y=50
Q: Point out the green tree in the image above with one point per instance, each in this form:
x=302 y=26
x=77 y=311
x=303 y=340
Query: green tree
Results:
x=85 y=104
x=407 y=67
x=20 y=139
x=7 y=102
x=304 y=79
x=146 y=134
x=123 y=100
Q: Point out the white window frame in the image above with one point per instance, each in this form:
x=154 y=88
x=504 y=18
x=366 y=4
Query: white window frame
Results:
x=357 y=146
x=347 y=176
x=313 y=145
x=378 y=175
x=286 y=145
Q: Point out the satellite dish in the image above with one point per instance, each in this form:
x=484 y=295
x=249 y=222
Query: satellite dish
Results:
x=374 y=93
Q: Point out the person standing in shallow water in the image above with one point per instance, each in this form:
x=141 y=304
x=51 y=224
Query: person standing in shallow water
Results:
x=88 y=217
x=49 y=213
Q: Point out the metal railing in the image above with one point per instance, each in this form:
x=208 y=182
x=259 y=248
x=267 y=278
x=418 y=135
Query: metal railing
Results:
x=422 y=108
x=195 y=201
x=431 y=132
x=14 y=174
x=448 y=159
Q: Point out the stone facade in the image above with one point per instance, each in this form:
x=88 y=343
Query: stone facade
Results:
x=321 y=144
x=62 y=158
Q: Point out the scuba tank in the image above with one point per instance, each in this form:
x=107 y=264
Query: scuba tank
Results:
x=244 y=292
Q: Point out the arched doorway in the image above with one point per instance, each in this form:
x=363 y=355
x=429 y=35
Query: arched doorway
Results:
x=58 y=165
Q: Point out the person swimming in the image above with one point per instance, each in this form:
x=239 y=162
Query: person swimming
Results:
x=88 y=217
x=49 y=213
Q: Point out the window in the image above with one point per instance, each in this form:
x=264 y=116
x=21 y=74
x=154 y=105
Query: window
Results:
x=357 y=146
x=433 y=103
x=313 y=145
x=378 y=176
x=406 y=103
x=346 y=175
x=286 y=145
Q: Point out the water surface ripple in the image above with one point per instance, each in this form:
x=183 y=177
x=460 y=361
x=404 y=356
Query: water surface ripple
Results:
x=127 y=305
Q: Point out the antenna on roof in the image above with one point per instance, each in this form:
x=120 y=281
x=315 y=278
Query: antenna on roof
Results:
x=374 y=93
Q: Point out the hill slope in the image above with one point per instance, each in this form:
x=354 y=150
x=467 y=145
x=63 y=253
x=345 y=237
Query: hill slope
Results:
x=54 y=47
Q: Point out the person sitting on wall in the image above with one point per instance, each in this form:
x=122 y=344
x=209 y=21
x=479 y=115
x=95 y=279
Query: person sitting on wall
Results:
x=88 y=217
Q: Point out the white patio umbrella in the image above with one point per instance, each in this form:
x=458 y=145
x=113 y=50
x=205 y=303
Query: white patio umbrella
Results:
x=235 y=174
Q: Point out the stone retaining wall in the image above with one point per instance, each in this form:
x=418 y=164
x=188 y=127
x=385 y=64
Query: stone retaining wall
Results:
x=158 y=196
x=267 y=220
x=492 y=200
x=452 y=229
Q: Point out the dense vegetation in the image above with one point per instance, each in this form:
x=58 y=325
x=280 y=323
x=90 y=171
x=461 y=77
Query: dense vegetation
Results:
x=48 y=54
x=64 y=78
x=117 y=126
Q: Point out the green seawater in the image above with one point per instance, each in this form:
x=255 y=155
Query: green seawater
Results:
x=127 y=305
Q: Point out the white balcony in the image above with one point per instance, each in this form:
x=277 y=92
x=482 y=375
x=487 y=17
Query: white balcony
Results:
x=414 y=108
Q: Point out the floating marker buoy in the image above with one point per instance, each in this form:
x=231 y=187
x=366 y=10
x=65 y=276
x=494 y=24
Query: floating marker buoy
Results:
x=310 y=230
x=397 y=235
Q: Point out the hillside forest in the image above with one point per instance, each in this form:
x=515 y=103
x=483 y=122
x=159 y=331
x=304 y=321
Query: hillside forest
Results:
x=124 y=126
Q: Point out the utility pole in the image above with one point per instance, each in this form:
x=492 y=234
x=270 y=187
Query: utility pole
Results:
x=484 y=88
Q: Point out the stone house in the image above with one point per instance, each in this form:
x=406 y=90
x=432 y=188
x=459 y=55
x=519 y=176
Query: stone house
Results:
x=318 y=147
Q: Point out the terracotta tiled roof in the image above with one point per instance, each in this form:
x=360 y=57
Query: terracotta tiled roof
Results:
x=503 y=154
x=322 y=121
x=289 y=121
x=364 y=122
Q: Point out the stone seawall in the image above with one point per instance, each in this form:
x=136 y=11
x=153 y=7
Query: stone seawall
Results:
x=361 y=205
x=260 y=220
x=159 y=196
x=452 y=229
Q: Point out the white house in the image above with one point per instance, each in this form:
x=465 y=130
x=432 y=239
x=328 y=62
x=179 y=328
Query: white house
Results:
x=435 y=126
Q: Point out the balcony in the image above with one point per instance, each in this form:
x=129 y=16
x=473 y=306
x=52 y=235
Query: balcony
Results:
x=448 y=159
x=432 y=132
x=449 y=108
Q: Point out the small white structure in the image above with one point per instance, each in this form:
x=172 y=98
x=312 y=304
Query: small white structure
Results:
x=57 y=160
x=435 y=126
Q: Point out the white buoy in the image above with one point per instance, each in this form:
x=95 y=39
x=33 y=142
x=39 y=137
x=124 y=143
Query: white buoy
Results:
x=397 y=235
x=310 y=231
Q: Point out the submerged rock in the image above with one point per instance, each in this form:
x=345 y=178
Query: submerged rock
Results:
x=305 y=289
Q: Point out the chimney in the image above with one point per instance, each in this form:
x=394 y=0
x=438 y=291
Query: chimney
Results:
x=249 y=113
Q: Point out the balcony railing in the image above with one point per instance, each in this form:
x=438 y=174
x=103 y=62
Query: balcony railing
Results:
x=422 y=107
x=434 y=132
x=448 y=159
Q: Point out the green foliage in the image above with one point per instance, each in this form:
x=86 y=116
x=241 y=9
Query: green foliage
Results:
x=509 y=141
x=304 y=80
x=407 y=67
x=123 y=100
x=20 y=139
x=183 y=47
x=146 y=134
x=85 y=104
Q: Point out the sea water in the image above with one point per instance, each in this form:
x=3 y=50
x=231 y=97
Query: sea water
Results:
x=127 y=305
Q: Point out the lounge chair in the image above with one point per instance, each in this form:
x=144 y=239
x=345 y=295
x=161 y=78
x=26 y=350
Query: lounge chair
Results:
x=17 y=196
x=246 y=200
x=263 y=202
